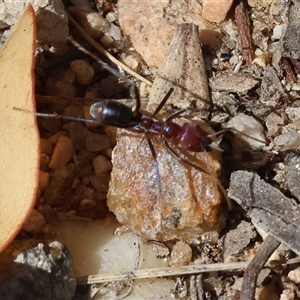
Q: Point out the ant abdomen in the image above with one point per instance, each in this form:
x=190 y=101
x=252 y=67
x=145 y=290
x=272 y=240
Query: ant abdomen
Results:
x=112 y=113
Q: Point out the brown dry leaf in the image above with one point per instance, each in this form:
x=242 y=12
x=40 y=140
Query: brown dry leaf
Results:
x=19 y=148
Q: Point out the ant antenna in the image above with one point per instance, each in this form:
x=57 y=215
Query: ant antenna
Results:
x=57 y=116
x=112 y=70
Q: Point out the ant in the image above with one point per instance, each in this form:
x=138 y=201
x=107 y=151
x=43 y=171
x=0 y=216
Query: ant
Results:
x=187 y=137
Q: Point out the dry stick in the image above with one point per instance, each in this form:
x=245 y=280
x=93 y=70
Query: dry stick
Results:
x=161 y=272
x=244 y=29
x=106 y=53
x=250 y=276
x=290 y=74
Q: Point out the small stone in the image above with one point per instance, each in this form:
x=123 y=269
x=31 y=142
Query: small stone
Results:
x=294 y=275
x=107 y=152
x=112 y=134
x=273 y=122
x=96 y=142
x=55 y=137
x=181 y=254
x=248 y=133
x=237 y=239
x=78 y=134
x=84 y=72
x=35 y=223
x=50 y=214
x=58 y=177
x=90 y=21
x=62 y=85
x=73 y=111
x=86 y=204
x=100 y=182
x=50 y=124
x=43 y=180
x=101 y=165
x=133 y=62
x=216 y=11
x=43 y=272
x=46 y=146
x=62 y=153
x=278 y=32
x=287 y=141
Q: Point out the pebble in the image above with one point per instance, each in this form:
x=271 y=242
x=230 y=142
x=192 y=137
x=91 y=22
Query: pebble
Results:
x=294 y=275
x=287 y=141
x=52 y=21
x=133 y=62
x=62 y=153
x=273 y=122
x=112 y=134
x=46 y=146
x=181 y=254
x=77 y=134
x=216 y=11
x=100 y=182
x=92 y=22
x=151 y=26
x=62 y=85
x=96 y=142
x=237 y=239
x=35 y=223
x=84 y=72
x=101 y=165
x=249 y=126
x=73 y=111
x=44 y=179
x=86 y=204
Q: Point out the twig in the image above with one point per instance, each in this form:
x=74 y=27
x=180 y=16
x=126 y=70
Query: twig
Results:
x=162 y=272
x=250 y=276
x=106 y=53
x=289 y=73
x=243 y=23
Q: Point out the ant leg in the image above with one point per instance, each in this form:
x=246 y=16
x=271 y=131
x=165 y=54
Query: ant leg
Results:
x=150 y=144
x=184 y=160
x=163 y=102
x=113 y=71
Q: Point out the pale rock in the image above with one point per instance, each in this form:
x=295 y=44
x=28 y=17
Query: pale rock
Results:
x=181 y=254
x=287 y=141
x=100 y=182
x=151 y=25
x=294 y=275
x=62 y=153
x=52 y=21
x=35 y=223
x=77 y=134
x=43 y=180
x=61 y=85
x=91 y=21
x=46 y=146
x=84 y=72
x=248 y=132
x=273 y=122
x=101 y=165
x=216 y=11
